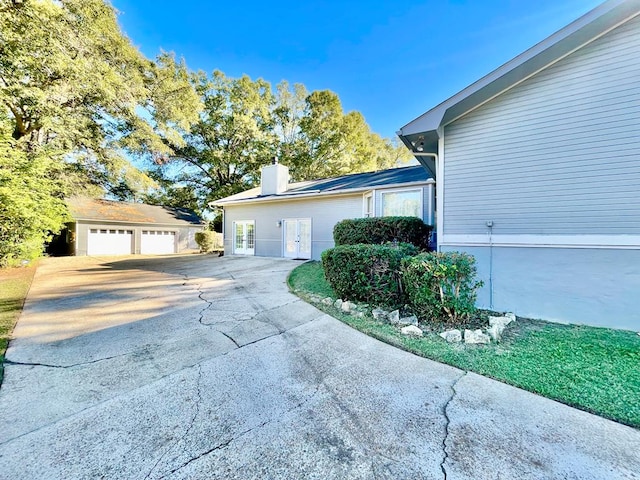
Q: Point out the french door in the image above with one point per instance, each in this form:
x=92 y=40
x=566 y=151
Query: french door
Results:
x=244 y=237
x=297 y=238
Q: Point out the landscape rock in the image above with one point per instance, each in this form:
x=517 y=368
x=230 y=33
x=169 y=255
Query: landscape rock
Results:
x=511 y=316
x=495 y=332
x=501 y=321
x=394 y=317
x=379 y=314
x=346 y=307
x=411 y=330
x=452 y=336
x=476 y=336
x=338 y=303
x=327 y=301
x=412 y=320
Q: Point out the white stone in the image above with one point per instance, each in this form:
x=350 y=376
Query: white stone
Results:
x=501 y=321
x=327 y=301
x=476 y=336
x=495 y=332
x=511 y=316
x=345 y=307
x=338 y=303
x=379 y=314
x=394 y=317
x=412 y=320
x=411 y=330
x=452 y=336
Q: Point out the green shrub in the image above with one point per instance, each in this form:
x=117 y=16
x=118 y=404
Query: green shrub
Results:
x=380 y=230
x=206 y=240
x=441 y=286
x=367 y=273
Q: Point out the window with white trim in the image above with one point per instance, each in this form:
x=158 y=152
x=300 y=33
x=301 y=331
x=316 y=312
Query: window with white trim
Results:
x=402 y=203
x=368 y=205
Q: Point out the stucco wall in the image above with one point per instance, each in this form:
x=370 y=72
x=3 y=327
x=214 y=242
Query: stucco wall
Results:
x=575 y=285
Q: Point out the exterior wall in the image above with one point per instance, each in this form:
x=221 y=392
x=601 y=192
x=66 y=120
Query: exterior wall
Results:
x=183 y=234
x=558 y=154
x=585 y=286
x=324 y=214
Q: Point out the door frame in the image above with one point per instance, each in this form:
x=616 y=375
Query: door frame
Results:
x=245 y=250
x=296 y=222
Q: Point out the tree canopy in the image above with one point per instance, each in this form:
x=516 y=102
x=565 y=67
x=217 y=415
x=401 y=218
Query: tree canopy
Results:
x=79 y=102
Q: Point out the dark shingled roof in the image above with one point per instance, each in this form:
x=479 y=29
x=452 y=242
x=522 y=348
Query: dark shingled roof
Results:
x=83 y=208
x=366 y=180
x=355 y=181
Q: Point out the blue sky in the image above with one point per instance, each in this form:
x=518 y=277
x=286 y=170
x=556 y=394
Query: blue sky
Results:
x=391 y=60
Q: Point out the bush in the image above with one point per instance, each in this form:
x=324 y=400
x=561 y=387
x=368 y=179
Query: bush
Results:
x=367 y=273
x=441 y=286
x=381 y=230
x=206 y=240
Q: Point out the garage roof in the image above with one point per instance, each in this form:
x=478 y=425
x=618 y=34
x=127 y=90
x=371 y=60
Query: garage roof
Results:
x=91 y=209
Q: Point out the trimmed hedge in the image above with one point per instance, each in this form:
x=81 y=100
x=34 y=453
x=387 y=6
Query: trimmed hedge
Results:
x=441 y=286
x=379 y=230
x=367 y=273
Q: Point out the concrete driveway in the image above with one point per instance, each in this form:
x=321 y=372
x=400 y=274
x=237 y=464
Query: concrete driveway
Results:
x=196 y=367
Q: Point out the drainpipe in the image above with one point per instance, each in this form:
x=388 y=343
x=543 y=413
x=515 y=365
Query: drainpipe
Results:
x=435 y=158
x=490 y=233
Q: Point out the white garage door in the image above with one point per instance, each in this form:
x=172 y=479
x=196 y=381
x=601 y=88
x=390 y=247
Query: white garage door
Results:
x=156 y=242
x=109 y=242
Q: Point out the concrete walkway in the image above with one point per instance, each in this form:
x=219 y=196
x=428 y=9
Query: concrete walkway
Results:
x=197 y=367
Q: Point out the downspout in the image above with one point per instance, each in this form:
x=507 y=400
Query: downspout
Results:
x=435 y=159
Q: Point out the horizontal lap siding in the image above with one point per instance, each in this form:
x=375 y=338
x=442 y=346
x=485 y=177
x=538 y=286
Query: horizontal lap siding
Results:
x=324 y=214
x=557 y=154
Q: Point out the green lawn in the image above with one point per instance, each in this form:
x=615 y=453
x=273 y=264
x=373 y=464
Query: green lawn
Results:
x=594 y=369
x=14 y=285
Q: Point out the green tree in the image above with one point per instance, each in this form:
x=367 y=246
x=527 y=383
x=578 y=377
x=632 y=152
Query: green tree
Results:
x=77 y=100
x=231 y=141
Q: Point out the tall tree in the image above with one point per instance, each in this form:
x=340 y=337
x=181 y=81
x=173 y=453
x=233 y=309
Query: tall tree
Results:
x=78 y=98
x=231 y=140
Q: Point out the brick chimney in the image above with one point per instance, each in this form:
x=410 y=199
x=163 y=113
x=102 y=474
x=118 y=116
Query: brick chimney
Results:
x=274 y=178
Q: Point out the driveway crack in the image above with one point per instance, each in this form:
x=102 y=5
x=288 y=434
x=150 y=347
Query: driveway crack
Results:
x=49 y=365
x=188 y=430
x=445 y=455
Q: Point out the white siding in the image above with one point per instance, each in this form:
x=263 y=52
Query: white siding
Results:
x=324 y=214
x=558 y=154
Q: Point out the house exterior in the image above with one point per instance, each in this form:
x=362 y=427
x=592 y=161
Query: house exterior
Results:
x=279 y=219
x=538 y=173
x=105 y=227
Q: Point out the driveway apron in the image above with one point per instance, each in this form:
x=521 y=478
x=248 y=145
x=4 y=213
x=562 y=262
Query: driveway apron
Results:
x=198 y=367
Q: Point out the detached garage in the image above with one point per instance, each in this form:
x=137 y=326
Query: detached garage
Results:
x=106 y=227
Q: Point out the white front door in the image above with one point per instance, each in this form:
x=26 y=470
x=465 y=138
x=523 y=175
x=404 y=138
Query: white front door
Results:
x=297 y=238
x=244 y=238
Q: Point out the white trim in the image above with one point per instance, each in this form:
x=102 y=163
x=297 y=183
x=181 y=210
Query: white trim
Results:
x=553 y=241
x=372 y=195
x=440 y=185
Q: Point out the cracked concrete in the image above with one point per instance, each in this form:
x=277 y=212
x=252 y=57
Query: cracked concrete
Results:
x=194 y=367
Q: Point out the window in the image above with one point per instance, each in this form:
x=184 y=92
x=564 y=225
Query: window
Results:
x=404 y=203
x=368 y=205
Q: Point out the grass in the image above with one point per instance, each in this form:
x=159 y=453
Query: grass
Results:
x=14 y=285
x=593 y=369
